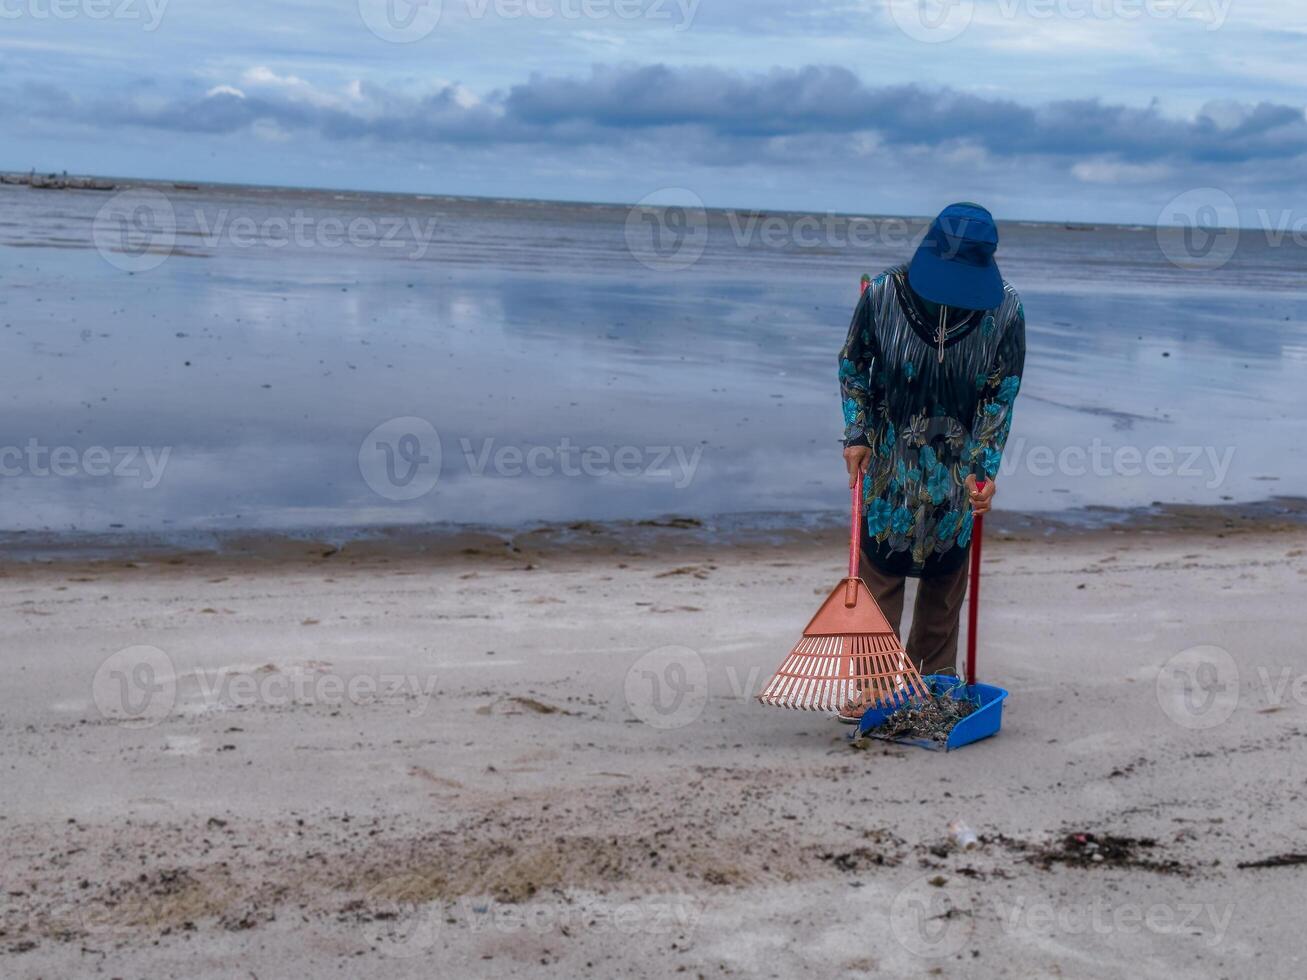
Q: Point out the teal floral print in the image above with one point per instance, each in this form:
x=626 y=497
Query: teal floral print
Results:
x=887 y=439
x=929 y=424
x=964 y=533
x=852 y=411
x=948 y=524
x=938 y=485
x=1007 y=391
x=878 y=515
x=901 y=523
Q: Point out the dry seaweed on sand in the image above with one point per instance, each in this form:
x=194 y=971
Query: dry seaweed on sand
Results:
x=1087 y=850
x=1278 y=861
x=932 y=720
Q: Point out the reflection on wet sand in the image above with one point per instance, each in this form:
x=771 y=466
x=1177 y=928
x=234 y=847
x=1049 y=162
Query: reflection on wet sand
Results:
x=566 y=380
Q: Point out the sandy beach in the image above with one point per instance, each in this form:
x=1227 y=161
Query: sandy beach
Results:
x=346 y=631
x=500 y=762
x=429 y=427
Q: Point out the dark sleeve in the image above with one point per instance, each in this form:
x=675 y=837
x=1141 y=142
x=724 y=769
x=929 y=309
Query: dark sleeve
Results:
x=857 y=358
x=998 y=397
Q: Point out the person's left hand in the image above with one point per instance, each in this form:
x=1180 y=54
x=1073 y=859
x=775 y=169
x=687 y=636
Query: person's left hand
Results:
x=980 y=499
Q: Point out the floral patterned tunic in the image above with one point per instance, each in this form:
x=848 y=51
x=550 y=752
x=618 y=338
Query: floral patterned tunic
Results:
x=929 y=423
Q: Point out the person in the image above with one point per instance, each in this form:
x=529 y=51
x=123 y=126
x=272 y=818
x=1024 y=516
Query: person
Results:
x=929 y=375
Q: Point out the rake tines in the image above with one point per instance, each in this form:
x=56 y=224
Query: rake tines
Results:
x=848 y=654
x=833 y=665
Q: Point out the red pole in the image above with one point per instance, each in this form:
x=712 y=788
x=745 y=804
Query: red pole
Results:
x=973 y=597
x=855 y=524
x=855 y=528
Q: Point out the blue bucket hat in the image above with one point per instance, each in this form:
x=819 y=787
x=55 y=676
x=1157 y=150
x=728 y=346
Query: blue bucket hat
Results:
x=954 y=264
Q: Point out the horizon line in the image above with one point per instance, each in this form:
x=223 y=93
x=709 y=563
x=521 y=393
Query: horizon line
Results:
x=1066 y=223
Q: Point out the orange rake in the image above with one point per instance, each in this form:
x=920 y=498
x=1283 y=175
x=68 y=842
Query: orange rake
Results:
x=849 y=656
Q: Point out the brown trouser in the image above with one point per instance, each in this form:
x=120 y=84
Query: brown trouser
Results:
x=933 y=645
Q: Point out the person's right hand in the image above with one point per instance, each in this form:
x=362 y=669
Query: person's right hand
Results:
x=857 y=459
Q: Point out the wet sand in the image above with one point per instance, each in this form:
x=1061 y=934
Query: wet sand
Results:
x=531 y=363
x=667 y=536
x=371 y=763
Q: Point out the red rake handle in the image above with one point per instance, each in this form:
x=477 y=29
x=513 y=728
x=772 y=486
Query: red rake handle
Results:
x=855 y=524
x=855 y=542
x=855 y=527
x=855 y=535
x=973 y=599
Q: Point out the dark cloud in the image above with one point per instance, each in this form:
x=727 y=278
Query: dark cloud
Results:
x=712 y=111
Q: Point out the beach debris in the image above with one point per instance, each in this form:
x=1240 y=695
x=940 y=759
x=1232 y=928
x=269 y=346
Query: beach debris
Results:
x=931 y=720
x=851 y=862
x=1277 y=861
x=963 y=837
x=675 y=523
x=539 y=707
x=518 y=704
x=1087 y=850
x=421 y=772
x=248 y=916
x=698 y=571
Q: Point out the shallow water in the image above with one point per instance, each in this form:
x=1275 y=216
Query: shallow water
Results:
x=510 y=362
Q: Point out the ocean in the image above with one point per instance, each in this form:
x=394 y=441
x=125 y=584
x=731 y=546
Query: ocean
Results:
x=224 y=358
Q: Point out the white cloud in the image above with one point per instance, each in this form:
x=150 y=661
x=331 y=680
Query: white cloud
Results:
x=291 y=87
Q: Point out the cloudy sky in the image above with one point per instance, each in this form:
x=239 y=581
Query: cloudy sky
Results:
x=1044 y=109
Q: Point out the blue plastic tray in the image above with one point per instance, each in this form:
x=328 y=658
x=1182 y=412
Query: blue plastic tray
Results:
x=981 y=723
